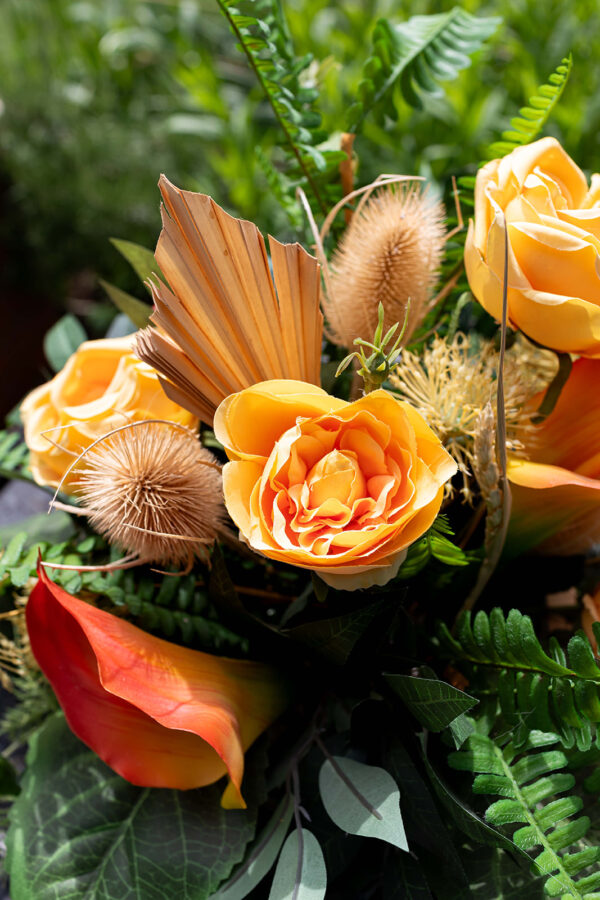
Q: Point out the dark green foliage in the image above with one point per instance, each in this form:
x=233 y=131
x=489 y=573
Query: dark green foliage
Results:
x=556 y=691
x=79 y=830
x=14 y=456
x=414 y=56
x=525 y=778
x=434 y=703
x=526 y=127
x=264 y=38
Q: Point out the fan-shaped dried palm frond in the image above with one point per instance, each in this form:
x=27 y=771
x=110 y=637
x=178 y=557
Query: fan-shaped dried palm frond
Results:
x=224 y=323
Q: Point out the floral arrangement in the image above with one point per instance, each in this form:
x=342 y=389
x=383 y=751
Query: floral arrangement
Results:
x=315 y=613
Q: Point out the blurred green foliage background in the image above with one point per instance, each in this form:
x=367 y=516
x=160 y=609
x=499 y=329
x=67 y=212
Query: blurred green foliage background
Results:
x=97 y=97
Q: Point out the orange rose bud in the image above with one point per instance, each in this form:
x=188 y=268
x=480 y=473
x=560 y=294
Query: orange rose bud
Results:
x=102 y=386
x=556 y=491
x=340 y=488
x=160 y=715
x=553 y=223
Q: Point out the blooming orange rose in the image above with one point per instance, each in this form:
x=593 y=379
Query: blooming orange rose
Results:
x=553 y=223
x=160 y=715
x=340 y=488
x=556 y=492
x=103 y=385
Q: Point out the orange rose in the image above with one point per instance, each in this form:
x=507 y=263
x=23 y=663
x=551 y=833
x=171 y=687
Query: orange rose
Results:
x=556 y=492
x=102 y=386
x=553 y=223
x=340 y=488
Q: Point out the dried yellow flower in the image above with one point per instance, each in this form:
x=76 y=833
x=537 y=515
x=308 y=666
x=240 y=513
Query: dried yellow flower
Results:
x=152 y=489
x=390 y=253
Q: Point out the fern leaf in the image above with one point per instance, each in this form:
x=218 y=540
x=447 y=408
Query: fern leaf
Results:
x=265 y=41
x=415 y=56
x=553 y=691
x=528 y=781
x=531 y=119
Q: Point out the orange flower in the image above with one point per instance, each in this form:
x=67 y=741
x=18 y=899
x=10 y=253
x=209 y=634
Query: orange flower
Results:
x=340 y=488
x=102 y=386
x=158 y=714
x=553 y=223
x=556 y=492
x=591 y=614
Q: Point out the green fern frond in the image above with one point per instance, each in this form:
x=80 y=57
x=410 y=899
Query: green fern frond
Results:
x=528 y=781
x=414 y=56
x=263 y=38
x=531 y=119
x=559 y=692
x=14 y=456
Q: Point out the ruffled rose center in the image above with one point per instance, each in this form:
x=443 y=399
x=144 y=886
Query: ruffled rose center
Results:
x=331 y=484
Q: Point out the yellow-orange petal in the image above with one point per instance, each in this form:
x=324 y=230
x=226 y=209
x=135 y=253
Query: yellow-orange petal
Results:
x=159 y=714
x=249 y=423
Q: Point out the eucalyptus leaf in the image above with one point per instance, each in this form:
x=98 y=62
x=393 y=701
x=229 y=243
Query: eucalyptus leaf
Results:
x=363 y=800
x=301 y=856
x=434 y=703
x=62 y=340
x=261 y=855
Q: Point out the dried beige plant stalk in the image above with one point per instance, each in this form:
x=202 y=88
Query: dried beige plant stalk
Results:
x=485 y=470
x=390 y=253
x=224 y=323
x=16 y=658
x=154 y=491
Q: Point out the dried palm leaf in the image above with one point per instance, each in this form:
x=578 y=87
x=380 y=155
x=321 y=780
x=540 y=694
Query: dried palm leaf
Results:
x=224 y=323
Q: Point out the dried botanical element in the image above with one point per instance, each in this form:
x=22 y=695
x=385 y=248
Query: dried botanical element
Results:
x=390 y=253
x=485 y=470
x=16 y=658
x=225 y=323
x=453 y=381
x=152 y=489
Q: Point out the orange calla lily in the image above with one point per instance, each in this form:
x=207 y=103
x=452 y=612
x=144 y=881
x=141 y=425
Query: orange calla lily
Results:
x=158 y=714
x=556 y=492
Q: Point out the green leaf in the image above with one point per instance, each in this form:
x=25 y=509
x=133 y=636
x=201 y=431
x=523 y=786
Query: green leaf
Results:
x=62 y=340
x=335 y=638
x=527 y=126
x=261 y=856
x=135 y=309
x=414 y=56
x=78 y=830
x=363 y=800
x=9 y=783
x=434 y=703
x=139 y=258
x=301 y=856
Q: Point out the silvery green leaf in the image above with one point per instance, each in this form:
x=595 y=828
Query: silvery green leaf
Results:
x=300 y=872
x=363 y=800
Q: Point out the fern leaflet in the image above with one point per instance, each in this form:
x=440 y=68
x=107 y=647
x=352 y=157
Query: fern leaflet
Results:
x=414 y=57
x=559 y=692
x=14 y=457
x=525 y=779
x=267 y=46
x=531 y=119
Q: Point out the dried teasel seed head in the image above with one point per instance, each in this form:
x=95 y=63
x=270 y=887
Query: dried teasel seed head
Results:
x=390 y=253
x=153 y=490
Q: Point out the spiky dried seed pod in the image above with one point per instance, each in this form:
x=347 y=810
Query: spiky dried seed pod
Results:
x=391 y=252
x=153 y=490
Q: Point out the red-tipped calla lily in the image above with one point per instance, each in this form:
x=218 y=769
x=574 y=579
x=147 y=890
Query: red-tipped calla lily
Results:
x=158 y=714
x=556 y=491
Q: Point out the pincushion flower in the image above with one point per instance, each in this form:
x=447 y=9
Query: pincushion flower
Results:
x=103 y=385
x=340 y=488
x=553 y=223
x=158 y=714
x=556 y=491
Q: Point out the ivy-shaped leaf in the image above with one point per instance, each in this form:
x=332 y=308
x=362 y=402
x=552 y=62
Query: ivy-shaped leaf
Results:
x=434 y=703
x=78 y=830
